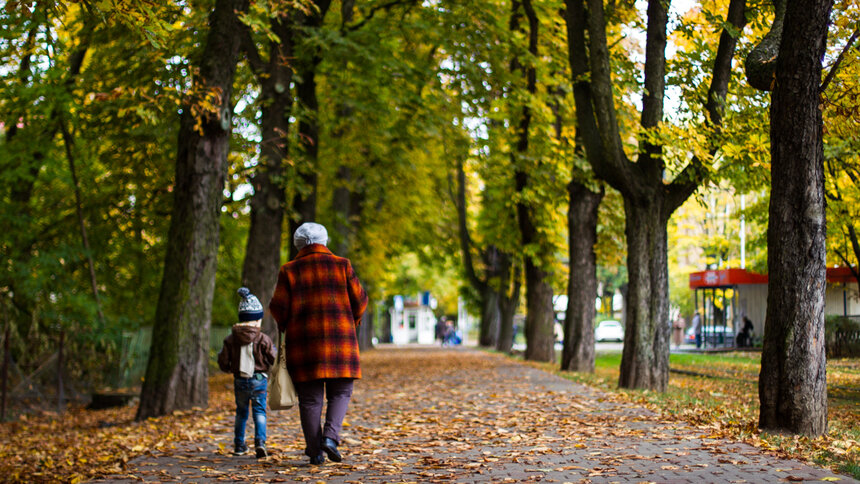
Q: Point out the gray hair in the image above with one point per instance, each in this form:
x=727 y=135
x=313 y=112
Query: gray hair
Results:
x=310 y=233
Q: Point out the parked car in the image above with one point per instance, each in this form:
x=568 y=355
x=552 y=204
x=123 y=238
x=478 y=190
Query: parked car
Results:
x=712 y=335
x=609 y=330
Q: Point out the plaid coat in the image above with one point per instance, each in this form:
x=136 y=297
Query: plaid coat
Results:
x=318 y=303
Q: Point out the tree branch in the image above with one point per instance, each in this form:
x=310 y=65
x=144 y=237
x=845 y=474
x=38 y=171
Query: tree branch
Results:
x=465 y=239
x=614 y=167
x=650 y=154
x=832 y=73
x=855 y=245
x=760 y=64
x=68 y=143
x=691 y=176
x=385 y=6
x=252 y=54
x=586 y=124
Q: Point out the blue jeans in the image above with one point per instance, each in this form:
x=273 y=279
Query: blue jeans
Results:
x=250 y=391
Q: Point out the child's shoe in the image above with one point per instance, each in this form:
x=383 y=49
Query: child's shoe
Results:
x=240 y=450
x=261 y=452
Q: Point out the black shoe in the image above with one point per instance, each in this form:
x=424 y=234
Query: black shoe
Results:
x=240 y=450
x=318 y=460
x=330 y=448
x=261 y=452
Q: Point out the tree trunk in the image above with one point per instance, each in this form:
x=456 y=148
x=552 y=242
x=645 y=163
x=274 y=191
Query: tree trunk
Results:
x=649 y=200
x=305 y=198
x=176 y=376
x=645 y=359
x=263 y=249
x=793 y=379
x=365 y=330
x=342 y=207
x=488 y=334
x=578 y=351
x=488 y=330
x=540 y=316
x=342 y=203
x=508 y=307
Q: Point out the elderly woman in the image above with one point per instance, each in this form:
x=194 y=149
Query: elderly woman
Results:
x=318 y=304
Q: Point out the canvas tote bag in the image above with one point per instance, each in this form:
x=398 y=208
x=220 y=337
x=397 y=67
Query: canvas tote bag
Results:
x=282 y=393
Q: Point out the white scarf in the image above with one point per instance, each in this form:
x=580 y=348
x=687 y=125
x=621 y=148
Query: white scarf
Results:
x=246 y=355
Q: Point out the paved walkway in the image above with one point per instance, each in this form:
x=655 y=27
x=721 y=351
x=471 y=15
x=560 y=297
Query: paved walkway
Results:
x=460 y=415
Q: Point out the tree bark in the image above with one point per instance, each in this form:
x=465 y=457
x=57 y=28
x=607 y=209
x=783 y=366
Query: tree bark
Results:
x=648 y=199
x=342 y=203
x=489 y=330
x=540 y=316
x=644 y=361
x=760 y=64
x=176 y=375
x=793 y=379
x=508 y=304
x=578 y=351
x=489 y=297
x=305 y=198
x=263 y=249
x=365 y=329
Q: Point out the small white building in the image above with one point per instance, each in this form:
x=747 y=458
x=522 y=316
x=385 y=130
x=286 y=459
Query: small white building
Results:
x=413 y=323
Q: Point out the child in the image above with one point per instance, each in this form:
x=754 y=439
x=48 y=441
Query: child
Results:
x=248 y=353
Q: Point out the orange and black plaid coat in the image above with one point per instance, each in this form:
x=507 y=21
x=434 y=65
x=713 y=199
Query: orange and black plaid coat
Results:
x=318 y=303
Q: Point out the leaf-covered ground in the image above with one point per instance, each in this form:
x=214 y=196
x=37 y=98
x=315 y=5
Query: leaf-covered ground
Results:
x=720 y=391
x=419 y=415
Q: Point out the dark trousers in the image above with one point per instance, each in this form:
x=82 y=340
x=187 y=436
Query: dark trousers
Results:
x=337 y=392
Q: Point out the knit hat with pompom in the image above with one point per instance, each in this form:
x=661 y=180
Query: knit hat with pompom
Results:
x=250 y=308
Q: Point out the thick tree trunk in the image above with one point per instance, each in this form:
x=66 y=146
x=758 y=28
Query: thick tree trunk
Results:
x=508 y=305
x=342 y=197
x=342 y=207
x=540 y=316
x=488 y=329
x=488 y=334
x=263 y=249
x=365 y=330
x=176 y=376
x=305 y=198
x=578 y=351
x=648 y=199
x=792 y=383
x=645 y=359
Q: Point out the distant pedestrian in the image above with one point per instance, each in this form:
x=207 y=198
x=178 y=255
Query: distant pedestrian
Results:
x=450 y=336
x=248 y=354
x=697 y=328
x=318 y=303
x=441 y=326
x=744 y=338
x=678 y=330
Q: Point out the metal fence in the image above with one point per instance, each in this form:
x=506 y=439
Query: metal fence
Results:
x=48 y=386
x=843 y=340
x=135 y=354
